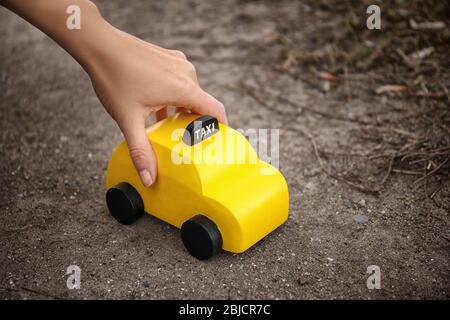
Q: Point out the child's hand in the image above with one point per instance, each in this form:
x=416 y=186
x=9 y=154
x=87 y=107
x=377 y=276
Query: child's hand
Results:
x=134 y=79
x=131 y=77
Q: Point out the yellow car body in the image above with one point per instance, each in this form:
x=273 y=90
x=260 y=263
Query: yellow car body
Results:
x=245 y=199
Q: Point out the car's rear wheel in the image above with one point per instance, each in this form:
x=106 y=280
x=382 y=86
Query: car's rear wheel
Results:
x=124 y=203
x=201 y=237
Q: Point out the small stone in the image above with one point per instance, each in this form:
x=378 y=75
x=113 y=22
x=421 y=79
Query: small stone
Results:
x=302 y=281
x=362 y=202
x=360 y=218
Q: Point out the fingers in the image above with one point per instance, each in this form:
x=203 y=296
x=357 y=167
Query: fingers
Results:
x=164 y=112
x=161 y=114
x=203 y=103
x=140 y=149
x=181 y=110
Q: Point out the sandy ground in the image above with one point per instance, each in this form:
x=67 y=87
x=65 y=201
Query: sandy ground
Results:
x=55 y=142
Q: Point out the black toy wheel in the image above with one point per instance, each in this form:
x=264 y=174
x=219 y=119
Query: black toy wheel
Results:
x=124 y=203
x=201 y=237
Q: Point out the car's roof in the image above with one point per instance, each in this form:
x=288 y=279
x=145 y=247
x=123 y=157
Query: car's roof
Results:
x=227 y=152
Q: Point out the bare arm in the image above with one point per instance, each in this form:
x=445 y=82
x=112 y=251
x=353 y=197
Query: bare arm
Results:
x=132 y=78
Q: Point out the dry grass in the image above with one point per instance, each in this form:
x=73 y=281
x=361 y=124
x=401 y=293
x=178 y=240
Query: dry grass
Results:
x=406 y=63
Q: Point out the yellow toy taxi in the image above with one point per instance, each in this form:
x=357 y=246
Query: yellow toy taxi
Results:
x=211 y=185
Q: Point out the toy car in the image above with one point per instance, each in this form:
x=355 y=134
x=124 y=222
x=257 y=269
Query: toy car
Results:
x=225 y=202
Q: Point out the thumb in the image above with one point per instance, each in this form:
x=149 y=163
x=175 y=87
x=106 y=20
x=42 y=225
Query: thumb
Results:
x=140 y=149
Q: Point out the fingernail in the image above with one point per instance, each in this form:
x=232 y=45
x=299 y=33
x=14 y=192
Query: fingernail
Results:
x=146 y=178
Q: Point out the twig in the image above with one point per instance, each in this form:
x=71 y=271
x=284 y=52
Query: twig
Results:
x=250 y=92
x=324 y=114
x=407 y=172
x=297 y=109
x=42 y=293
x=332 y=174
x=394 y=130
x=432 y=171
x=388 y=172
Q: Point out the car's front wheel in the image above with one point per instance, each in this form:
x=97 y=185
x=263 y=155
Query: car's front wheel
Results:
x=124 y=203
x=201 y=237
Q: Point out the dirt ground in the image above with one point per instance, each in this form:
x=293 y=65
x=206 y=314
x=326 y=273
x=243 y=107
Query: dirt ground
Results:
x=56 y=139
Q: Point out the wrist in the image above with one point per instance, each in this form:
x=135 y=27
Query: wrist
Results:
x=91 y=49
x=93 y=42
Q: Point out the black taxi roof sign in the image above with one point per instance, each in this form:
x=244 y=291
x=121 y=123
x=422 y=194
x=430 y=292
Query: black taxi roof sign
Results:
x=200 y=129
